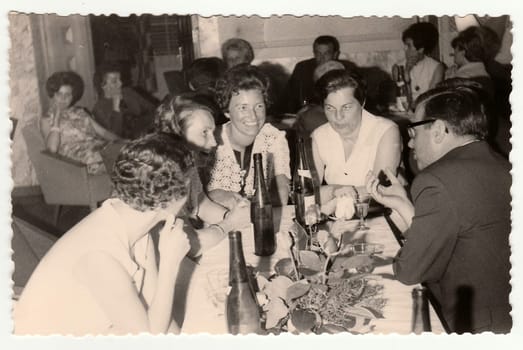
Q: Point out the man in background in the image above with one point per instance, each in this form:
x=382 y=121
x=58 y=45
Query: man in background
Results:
x=300 y=88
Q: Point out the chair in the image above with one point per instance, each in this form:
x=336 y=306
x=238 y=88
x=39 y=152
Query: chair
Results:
x=63 y=181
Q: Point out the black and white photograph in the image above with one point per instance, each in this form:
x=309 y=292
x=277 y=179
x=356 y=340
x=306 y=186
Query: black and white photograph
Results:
x=179 y=173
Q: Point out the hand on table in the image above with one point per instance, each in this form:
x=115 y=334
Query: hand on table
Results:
x=239 y=216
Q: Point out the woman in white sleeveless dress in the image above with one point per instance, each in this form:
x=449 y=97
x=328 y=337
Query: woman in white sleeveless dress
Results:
x=353 y=142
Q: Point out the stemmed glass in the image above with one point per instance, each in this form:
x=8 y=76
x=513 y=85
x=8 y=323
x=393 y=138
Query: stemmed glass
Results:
x=361 y=204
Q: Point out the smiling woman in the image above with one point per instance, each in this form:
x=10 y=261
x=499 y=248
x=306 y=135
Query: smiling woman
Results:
x=242 y=94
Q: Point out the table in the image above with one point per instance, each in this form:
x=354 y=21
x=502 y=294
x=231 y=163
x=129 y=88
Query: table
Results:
x=207 y=281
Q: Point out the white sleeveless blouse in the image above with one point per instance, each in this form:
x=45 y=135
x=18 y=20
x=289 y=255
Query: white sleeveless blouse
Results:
x=354 y=170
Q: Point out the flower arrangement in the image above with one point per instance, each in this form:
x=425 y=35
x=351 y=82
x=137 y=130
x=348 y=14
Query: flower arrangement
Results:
x=324 y=287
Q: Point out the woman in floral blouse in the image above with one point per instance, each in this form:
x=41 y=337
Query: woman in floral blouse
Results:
x=242 y=94
x=69 y=130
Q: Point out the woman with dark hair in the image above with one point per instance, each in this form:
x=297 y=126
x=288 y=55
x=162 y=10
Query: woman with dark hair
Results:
x=353 y=142
x=243 y=95
x=237 y=51
x=120 y=108
x=189 y=117
x=472 y=48
x=102 y=276
x=423 y=71
x=71 y=131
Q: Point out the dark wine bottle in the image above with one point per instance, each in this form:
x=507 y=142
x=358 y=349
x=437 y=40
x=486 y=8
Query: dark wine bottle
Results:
x=261 y=213
x=420 y=311
x=306 y=207
x=243 y=313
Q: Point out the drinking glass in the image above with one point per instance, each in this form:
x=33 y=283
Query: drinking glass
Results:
x=362 y=208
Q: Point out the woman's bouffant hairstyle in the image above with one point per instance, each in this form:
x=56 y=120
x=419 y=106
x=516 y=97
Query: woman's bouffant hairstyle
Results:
x=240 y=45
x=337 y=79
x=70 y=78
x=241 y=77
x=173 y=114
x=423 y=34
x=152 y=171
x=479 y=43
x=459 y=106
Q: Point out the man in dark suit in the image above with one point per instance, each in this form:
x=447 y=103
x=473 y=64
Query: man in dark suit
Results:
x=300 y=87
x=457 y=227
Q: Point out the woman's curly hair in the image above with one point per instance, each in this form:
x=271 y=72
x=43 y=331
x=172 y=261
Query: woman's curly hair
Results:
x=241 y=77
x=70 y=78
x=152 y=171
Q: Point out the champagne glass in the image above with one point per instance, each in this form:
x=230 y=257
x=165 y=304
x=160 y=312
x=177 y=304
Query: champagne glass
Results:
x=362 y=208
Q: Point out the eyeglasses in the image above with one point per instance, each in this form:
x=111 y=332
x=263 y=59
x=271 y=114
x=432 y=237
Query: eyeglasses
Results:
x=411 y=126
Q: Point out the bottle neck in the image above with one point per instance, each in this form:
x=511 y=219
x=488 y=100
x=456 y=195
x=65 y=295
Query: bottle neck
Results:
x=260 y=190
x=237 y=267
x=420 y=313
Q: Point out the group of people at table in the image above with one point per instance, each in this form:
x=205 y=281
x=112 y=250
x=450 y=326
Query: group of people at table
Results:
x=190 y=182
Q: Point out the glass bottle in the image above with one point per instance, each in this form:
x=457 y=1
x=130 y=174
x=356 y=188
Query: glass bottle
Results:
x=306 y=207
x=243 y=313
x=261 y=213
x=420 y=311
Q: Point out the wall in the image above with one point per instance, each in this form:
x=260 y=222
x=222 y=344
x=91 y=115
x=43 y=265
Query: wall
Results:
x=288 y=39
x=24 y=101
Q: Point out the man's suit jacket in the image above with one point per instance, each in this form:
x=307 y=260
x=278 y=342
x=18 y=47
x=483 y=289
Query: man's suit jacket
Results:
x=458 y=242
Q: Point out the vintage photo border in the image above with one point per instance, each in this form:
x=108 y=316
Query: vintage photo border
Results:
x=404 y=8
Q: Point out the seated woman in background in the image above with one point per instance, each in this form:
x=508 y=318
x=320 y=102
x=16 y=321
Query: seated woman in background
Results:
x=470 y=53
x=121 y=109
x=188 y=116
x=68 y=130
x=353 y=142
x=242 y=94
x=422 y=72
x=101 y=277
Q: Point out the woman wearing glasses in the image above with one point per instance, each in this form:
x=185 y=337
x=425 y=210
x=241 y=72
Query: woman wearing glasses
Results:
x=353 y=142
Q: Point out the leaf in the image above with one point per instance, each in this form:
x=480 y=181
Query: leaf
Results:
x=303 y=320
x=262 y=300
x=331 y=329
x=322 y=237
x=297 y=290
x=310 y=260
x=300 y=236
x=284 y=267
x=277 y=288
x=276 y=310
x=359 y=311
x=330 y=246
x=361 y=326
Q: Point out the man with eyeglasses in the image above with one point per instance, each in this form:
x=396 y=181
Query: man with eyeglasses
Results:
x=457 y=226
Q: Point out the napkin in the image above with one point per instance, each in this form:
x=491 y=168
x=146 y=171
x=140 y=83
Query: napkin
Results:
x=344 y=207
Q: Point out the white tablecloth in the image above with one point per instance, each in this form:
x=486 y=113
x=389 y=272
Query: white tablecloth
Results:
x=207 y=281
